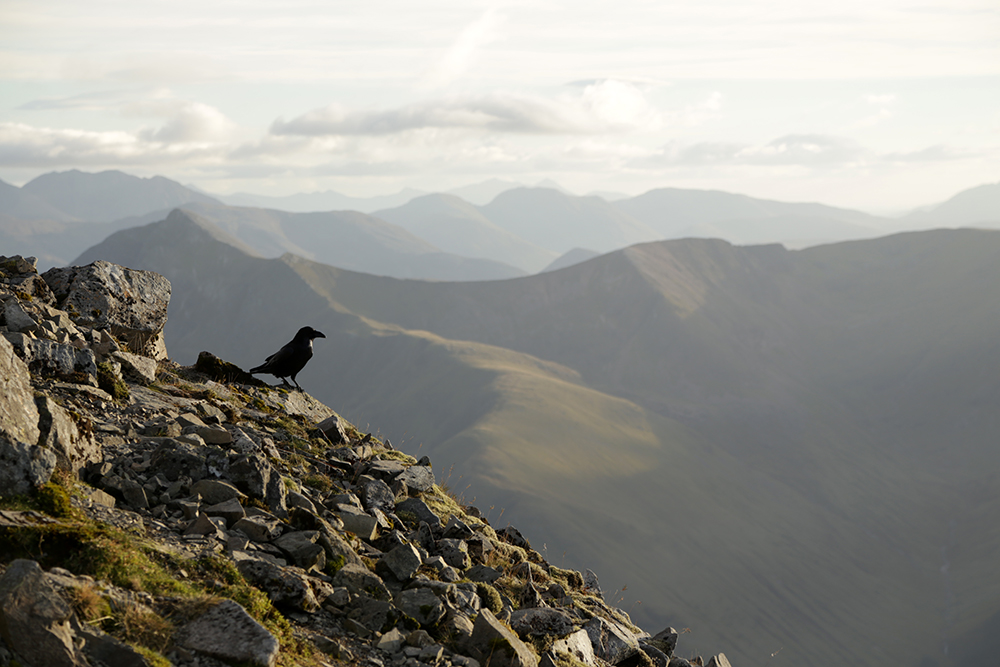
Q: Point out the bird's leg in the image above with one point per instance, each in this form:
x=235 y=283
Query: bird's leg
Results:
x=284 y=383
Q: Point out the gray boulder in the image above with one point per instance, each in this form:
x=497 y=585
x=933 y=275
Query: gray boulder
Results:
x=359 y=580
x=231 y=510
x=358 y=522
x=301 y=548
x=132 y=304
x=47 y=357
x=215 y=491
x=138 y=368
x=417 y=478
x=422 y=605
x=403 y=562
x=23 y=467
x=35 y=621
x=259 y=528
x=541 y=622
x=229 y=633
x=59 y=432
x=454 y=552
x=17 y=318
x=493 y=644
x=375 y=494
x=287 y=587
x=611 y=642
x=420 y=510
x=575 y=646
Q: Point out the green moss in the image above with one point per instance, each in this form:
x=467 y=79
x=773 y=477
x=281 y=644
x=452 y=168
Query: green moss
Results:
x=111 y=383
x=489 y=596
x=154 y=658
x=396 y=455
x=570 y=579
x=319 y=482
x=333 y=564
x=53 y=500
x=98 y=550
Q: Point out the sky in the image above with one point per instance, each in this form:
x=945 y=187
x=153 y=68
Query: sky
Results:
x=881 y=105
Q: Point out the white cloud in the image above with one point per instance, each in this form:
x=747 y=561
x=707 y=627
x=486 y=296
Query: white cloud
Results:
x=185 y=121
x=809 y=150
x=602 y=107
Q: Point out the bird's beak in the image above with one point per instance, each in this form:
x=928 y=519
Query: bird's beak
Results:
x=318 y=334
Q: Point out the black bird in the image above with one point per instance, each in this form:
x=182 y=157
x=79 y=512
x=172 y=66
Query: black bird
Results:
x=292 y=358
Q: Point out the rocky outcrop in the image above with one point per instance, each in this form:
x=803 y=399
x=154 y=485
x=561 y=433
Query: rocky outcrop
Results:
x=131 y=304
x=334 y=542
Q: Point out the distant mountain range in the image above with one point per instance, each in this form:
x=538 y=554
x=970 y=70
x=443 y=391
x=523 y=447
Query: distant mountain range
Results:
x=491 y=230
x=795 y=447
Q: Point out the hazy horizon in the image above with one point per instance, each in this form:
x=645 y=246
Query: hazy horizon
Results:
x=882 y=108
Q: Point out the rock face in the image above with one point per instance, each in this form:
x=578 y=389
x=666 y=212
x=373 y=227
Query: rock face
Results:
x=132 y=304
x=18 y=414
x=327 y=535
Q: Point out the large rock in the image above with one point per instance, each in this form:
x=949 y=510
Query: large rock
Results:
x=23 y=467
x=422 y=605
x=610 y=640
x=59 y=432
x=374 y=493
x=229 y=633
x=17 y=318
x=541 y=622
x=287 y=587
x=417 y=478
x=215 y=491
x=35 y=621
x=47 y=357
x=360 y=580
x=419 y=510
x=132 y=304
x=494 y=645
x=575 y=646
x=18 y=413
x=403 y=562
x=300 y=546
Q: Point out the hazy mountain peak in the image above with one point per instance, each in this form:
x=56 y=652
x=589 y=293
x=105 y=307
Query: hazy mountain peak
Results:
x=110 y=195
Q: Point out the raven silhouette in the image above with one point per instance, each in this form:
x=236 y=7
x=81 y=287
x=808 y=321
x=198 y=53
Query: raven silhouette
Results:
x=292 y=358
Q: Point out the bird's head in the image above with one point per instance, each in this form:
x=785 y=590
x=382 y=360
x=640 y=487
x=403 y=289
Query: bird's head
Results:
x=308 y=333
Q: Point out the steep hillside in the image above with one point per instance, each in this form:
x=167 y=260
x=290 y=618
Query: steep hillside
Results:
x=154 y=514
x=110 y=195
x=806 y=436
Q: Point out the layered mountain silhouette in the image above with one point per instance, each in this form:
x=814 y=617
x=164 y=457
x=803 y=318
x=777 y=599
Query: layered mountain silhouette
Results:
x=456 y=226
x=346 y=239
x=797 y=448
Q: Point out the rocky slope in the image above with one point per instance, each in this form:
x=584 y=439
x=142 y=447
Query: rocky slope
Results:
x=156 y=514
